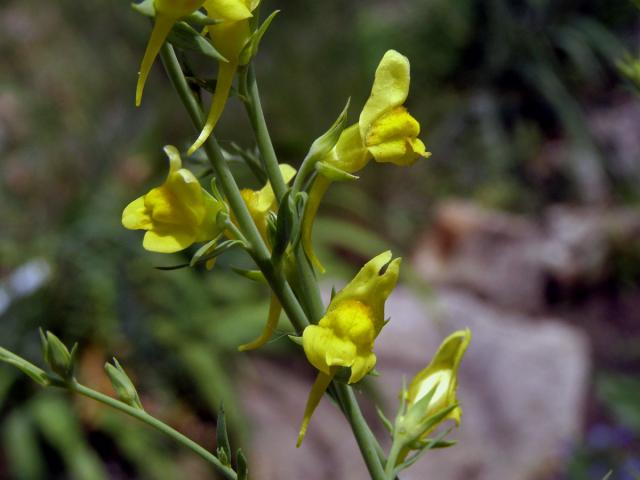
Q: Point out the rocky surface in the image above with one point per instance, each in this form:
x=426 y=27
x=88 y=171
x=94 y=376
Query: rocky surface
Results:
x=519 y=263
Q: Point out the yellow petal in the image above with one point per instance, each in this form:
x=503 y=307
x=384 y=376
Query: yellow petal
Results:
x=168 y=240
x=161 y=28
x=314 y=341
x=390 y=89
x=371 y=286
x=392 y=138
x=362 y=365
x=209 y=227
x=228 y=10
x=441 y=373
x=164 y=206
x=395 y=124
x=226 y=72
x=316 y=194
x=287 y=172
x=349 y=153
x=319 y=387
x=272 y=322
x=402 y=152
x=135 y=216
x=265 y=198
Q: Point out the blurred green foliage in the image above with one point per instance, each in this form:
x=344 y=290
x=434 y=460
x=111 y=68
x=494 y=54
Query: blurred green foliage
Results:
x=494 y=84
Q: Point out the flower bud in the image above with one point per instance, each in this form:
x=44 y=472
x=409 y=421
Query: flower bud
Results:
x=123 y=385
x=57 y=356
x=431 y=396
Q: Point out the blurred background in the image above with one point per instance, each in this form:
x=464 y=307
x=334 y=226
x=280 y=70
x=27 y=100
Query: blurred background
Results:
x=523 y=225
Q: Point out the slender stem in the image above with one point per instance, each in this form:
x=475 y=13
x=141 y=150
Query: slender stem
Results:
x=361 y=431
x=389 y=470
x=74 y=386
x=257 y=247
x=306 y=169
x=305 y=283
x=259 y=124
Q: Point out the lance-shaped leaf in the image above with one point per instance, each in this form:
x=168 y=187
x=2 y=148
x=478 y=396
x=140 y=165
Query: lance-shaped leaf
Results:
x=334 y=173
x=222 y=437
x=37 y=374
x=243 y=466
x=185 y=37
x=284 y=226
x=250 y=49
x=254 y=275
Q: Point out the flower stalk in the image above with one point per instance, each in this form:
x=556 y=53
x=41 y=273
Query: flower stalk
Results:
x=259 y=252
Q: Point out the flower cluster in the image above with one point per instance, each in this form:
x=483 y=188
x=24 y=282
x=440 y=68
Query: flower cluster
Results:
x=180 y=212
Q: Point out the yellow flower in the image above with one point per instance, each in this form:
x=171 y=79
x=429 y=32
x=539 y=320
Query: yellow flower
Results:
x=176 y=214
x=439 y=380
x=229 y=37
x=261 y=202
x=344 y=337
x=168 y=12
x=385 y=132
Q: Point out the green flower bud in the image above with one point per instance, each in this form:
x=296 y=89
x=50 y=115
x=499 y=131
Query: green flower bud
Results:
x=57 y=356
x=123 y=385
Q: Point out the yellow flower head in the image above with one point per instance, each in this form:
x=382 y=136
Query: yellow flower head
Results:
x=261 y=202
x=385 y=131
x=176 y=214
x=229 y=37
x=344 y=337
x=440 y=377
x=168 y=12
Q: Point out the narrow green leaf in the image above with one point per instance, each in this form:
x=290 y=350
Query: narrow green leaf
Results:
x=295 y=339
x=334 y=173
x=185 y=37
x=255 y=275
x=284 y=226
x=243 y=466
x=250 y=49
x=222 y=437
x=385 y=421
x=36 y=374
x=172 y=267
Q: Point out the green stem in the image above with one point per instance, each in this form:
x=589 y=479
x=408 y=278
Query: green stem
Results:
x=389 y=471
x=259 y=124
x=225 y=471
x=306 y=285
x=257 y=247
x=362 y=432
